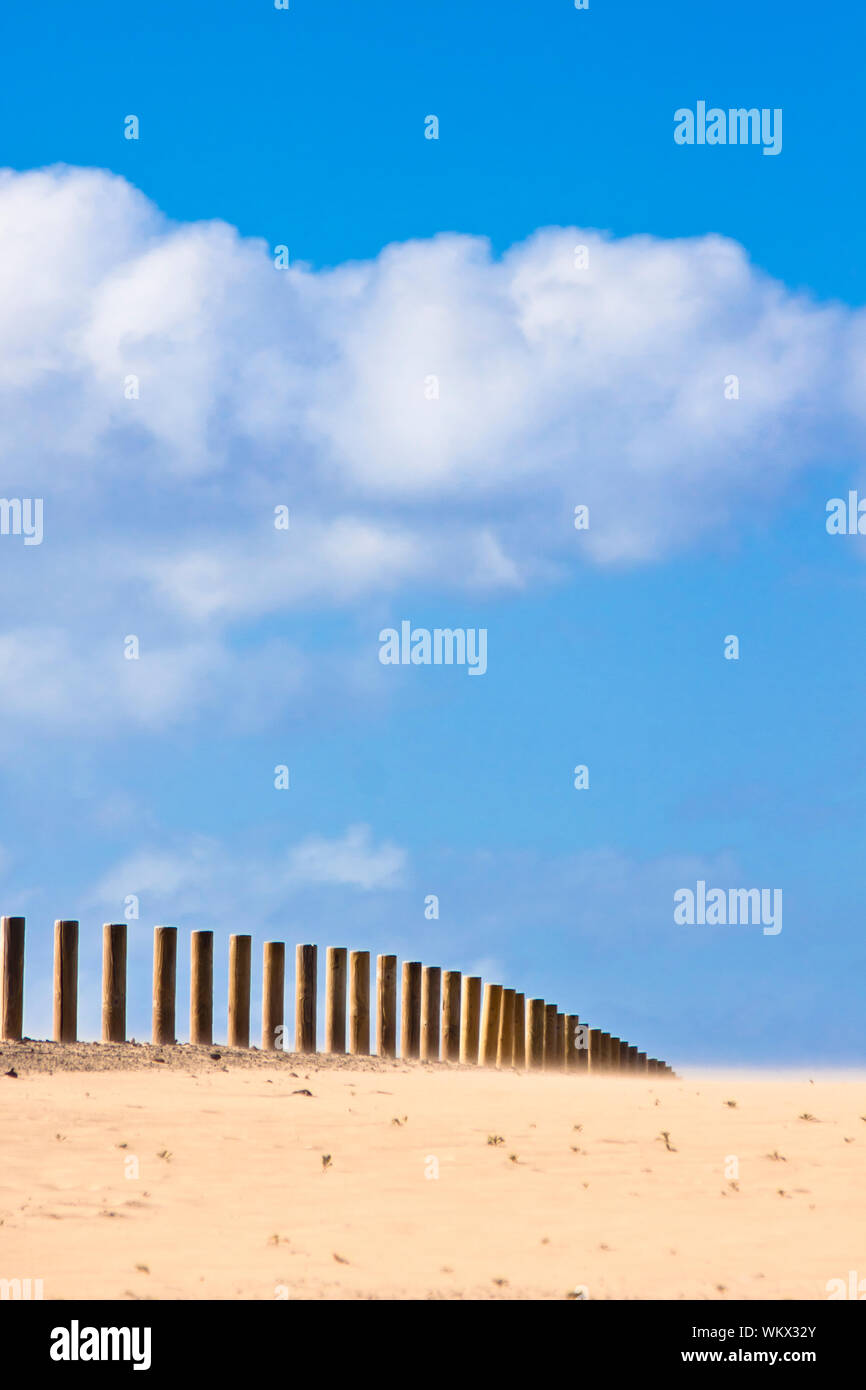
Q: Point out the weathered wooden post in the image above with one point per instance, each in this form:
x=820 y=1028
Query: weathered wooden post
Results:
x=201 y=988
x=580 y=1059
x=551 y=1057
x=451 y=1016
x=490 y=1024
x=431 y=989
x=12 y=985
x=274 y=996
x=359 y=1003
x=335 y=999
x=572 y=1027
x=410 y=1015
x=614 y=1054
x=470 y=1024
x=114 y=982
x=595 y=1056
x=536 y=1018
x=240 y=957
x=561 y=1041
x=306 y=987
x=164 y=983
x=518 y=1032
x=641 y=1061
x=505 y=1048
x=386 y=1006
x=65 y=981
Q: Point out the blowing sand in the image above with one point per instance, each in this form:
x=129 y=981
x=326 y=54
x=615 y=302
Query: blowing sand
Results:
x=217 y=1176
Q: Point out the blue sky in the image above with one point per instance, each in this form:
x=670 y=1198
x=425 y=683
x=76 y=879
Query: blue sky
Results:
x=304 y=388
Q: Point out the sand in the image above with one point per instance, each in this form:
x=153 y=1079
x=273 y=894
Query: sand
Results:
x=217 y=1176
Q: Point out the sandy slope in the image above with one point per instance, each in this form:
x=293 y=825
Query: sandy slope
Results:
x=232 y=1199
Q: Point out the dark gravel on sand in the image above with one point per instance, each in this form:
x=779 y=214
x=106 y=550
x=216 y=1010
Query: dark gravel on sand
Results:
x=32 y=1056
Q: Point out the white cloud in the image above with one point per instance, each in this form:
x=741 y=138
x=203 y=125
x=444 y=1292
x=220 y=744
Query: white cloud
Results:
x=352 y=860
x=260 y=387
x=203 y=877
x=69 y=682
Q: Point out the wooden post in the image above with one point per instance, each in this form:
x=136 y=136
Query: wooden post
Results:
x=505 y=1047
x=632 y=1058
x=335 y=999
x=581 y=1044
x=572 y=1026
x=518 y=1056
x=550 y=1053
x=274 y=996
x=623 y=1055
x=359 y=1003
x=306 y=965
x=604 y=1053
x=652 y=1064
x=595 y=1057
x=386 y=1006
x=535 y=1028
x=490 y=1025
x=470 y=1023
x=561 y=1042
x=641 y=1061
x=164 y=982
x=410 y=1014
x=451 y=1016
x=12 y=982
x=613 y=1054
x=431 y=989
x=114 y=982
x=240 y=951
x=65 y=981
x=201 y=988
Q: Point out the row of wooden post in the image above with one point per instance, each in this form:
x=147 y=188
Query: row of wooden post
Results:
x=444 y=1016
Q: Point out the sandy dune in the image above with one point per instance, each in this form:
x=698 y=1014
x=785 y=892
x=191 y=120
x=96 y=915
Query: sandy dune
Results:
x=206 y=1179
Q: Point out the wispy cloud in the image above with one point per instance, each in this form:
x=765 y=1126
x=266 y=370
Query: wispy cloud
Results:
x=352 y=860
x=202 y=878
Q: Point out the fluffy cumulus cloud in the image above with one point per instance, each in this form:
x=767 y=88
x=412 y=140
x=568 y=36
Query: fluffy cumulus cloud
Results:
x=430 y=417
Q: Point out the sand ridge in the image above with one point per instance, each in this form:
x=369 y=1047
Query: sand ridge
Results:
x=299 y=1178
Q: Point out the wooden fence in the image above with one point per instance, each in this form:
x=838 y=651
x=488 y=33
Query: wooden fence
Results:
x=443 y=1015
